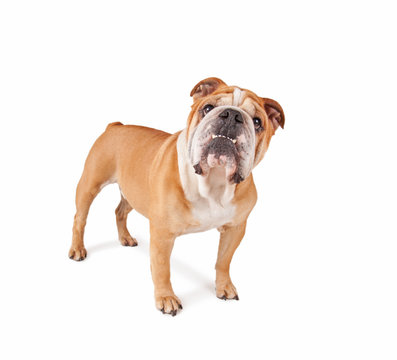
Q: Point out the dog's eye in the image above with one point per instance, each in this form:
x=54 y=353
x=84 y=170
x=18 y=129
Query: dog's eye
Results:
x=257 y=123
x=207 y=108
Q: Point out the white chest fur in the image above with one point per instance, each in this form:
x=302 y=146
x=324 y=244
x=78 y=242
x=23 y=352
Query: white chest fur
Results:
x=211 y=196
x=212 y=207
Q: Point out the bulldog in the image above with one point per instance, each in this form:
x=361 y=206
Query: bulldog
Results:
x=197 y=179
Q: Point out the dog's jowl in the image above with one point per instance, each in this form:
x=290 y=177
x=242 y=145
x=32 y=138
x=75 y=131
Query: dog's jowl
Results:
x=195 y=180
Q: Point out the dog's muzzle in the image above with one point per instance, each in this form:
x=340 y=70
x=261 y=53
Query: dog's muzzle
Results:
x=224 y=138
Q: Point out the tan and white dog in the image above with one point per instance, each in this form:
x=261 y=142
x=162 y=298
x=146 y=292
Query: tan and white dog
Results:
x=195 y=180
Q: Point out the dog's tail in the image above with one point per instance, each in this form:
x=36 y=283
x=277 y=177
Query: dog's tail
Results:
x=114 y=124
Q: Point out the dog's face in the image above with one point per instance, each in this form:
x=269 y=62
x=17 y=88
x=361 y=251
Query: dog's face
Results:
x=229 y=127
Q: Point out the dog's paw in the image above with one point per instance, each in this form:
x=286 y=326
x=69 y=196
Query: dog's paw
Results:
x=77 y=254
x=168 y=304
x=226 y=291
x=128 y=240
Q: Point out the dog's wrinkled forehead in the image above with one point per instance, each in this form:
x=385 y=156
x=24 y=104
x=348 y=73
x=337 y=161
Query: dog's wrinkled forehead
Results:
x=234 y=97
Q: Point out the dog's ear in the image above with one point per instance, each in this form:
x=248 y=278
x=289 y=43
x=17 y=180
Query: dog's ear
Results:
x=206 y=87
x=274 y=112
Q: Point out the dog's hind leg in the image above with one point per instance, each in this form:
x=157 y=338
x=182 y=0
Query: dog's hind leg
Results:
x=99 y=171
x=121 y=219
x=87 y=190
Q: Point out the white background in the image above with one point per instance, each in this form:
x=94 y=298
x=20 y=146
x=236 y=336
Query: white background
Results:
x=316 y=272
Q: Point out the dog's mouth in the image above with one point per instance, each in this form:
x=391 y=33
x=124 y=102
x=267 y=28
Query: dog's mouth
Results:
x=220 y=151
x=225 y=137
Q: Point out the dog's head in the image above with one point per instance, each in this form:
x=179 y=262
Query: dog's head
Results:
x=229 y=127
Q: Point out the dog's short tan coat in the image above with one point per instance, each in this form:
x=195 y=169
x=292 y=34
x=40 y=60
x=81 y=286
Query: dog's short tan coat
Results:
x=156 y=179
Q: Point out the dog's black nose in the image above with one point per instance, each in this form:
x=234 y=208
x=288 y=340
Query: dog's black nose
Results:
x=231 y=114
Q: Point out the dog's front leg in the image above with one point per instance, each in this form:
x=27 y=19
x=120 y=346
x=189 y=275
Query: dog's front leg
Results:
x=161 y=244
x=230 y=239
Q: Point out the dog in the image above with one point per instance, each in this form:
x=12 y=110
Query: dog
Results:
x=194 y=180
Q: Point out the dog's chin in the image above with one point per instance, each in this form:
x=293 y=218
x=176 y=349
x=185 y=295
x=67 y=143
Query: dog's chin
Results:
x=220 y=152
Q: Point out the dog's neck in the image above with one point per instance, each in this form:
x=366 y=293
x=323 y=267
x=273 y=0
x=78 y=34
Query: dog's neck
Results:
x=214 y=187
